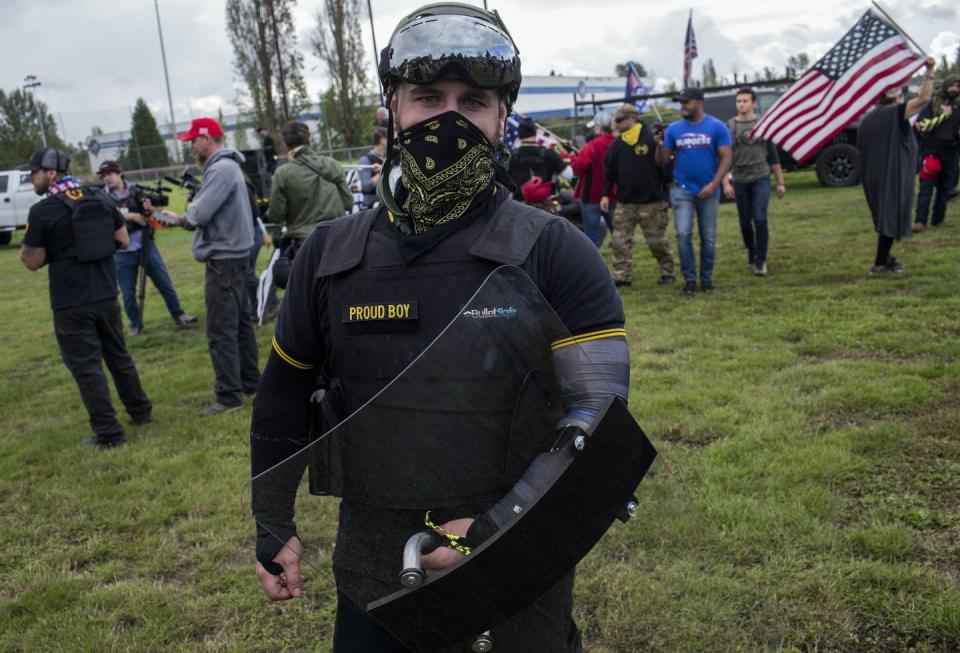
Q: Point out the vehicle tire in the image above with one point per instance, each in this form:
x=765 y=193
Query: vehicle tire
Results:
x=838 y=165
x=5 y=237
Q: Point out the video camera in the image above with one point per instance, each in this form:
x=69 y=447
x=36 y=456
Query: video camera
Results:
x=157 y=194
x=188 y=181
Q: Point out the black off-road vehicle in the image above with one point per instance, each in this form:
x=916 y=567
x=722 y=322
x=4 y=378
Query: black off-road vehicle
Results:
x=837 y=162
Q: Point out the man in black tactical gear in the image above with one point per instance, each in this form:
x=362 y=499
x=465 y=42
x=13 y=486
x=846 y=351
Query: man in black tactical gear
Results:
x=450 y=74
x=76 y=230
x=938 y=126
x=530 y=159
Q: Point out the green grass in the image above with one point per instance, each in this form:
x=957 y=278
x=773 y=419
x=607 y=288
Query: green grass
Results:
x=806 y=496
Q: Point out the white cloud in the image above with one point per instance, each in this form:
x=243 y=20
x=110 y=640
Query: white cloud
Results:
x=945 y=44
x=99 y=56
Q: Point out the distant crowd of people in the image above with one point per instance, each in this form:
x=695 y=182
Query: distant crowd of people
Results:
x=629 y=174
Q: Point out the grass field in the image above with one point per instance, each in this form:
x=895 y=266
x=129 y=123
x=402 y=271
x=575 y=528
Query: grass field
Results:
x=806 y=497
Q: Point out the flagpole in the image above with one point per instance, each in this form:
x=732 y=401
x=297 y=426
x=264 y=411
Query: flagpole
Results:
x=563 y=141
x=895 y=26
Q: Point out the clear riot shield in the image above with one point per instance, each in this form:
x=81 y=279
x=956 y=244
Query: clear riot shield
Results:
x=448 y=438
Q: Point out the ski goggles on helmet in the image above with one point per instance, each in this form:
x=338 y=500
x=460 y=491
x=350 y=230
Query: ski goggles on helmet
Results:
x=432 y=46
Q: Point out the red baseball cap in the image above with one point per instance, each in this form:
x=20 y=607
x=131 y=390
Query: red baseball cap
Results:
x=202 y=127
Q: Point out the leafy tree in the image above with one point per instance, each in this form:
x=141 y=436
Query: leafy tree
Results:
x=223 y=123
x=147 y=149
x=709 y=73
x=337 y=42
x=240 y=141
x=250 y=27
x=334 y=130
x=20 y=126
x=622 y=68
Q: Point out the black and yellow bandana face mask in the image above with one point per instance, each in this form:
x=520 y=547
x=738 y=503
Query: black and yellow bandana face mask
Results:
x=445 y=163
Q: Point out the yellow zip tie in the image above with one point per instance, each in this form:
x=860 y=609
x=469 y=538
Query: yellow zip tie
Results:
x=453 y=541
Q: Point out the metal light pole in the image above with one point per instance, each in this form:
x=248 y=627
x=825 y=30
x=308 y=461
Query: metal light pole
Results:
x=376 y=53
x=31 y=82
x=166 y=77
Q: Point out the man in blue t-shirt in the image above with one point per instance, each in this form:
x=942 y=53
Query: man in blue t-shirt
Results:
x=702 y=147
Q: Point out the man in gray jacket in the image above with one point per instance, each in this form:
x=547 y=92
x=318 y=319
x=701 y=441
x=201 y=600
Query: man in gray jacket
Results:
x=222 y=217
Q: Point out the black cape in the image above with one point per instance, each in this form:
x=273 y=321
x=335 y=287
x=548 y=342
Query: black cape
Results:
x=889 y=152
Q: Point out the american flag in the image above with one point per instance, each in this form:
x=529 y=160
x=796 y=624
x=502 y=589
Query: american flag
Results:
x=871 y=58
x=689 y=51
x=511 y=138
x=635 y=86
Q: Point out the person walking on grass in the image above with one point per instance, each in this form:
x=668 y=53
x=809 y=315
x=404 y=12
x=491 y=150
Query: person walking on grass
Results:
x=888 y=148
x=749 y=179
x=630 y=164
x=701 y=144
x=74 y=231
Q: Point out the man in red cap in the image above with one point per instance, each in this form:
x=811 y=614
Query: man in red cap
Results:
x=222 y=210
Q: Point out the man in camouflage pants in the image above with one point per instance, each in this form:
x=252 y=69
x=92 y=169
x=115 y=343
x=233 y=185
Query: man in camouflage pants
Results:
x=641 y=198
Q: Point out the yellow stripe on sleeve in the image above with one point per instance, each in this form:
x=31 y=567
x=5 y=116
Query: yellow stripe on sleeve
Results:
x=587 y=337
x=288 y=359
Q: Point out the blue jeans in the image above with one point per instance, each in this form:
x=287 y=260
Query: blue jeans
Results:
x=591 y=215
x=752 y=200
x=685 y=205
x=128 y=264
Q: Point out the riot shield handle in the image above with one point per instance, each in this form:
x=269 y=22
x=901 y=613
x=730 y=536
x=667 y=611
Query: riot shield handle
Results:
x=412 y=574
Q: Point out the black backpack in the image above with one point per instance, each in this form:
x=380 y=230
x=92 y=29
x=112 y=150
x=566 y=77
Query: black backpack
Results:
x=92 y=217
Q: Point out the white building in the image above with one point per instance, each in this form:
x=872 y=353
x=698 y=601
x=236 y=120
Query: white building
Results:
x=541 y=97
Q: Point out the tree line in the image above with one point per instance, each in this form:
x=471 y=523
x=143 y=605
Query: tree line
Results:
x=271 y=89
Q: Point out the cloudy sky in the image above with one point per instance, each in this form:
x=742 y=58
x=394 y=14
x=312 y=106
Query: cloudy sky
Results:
x=96 y=57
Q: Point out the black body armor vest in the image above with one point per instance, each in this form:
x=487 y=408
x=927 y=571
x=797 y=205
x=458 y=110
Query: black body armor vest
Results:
x=91 y=216
x=382 y=313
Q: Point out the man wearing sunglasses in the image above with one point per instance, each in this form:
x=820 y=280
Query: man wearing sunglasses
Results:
x=630 y=164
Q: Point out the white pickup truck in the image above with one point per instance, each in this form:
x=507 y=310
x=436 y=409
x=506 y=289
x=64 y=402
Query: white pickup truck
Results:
x=16 y=198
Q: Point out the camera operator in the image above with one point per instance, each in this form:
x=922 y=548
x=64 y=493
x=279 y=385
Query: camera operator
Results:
x=136 y=211
x=222 y=215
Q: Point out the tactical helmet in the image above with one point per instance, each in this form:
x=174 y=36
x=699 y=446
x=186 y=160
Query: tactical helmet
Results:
x=452 y=40
x=448 y=40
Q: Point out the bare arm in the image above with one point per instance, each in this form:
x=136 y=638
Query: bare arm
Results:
x=661 y=155
x=726 y=160
x=916 y=105
x=122 y=237
x=33 y=258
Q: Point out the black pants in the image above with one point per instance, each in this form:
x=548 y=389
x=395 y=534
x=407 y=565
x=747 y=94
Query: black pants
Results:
x=546 y=626
x=88 y=336
x=233 y=346
x=942 y=185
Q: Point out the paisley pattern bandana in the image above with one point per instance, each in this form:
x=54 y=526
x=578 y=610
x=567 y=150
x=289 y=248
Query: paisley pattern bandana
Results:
x=445 y=162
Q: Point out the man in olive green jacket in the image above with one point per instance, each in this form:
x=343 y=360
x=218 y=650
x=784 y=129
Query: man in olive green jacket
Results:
x=308 y=189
